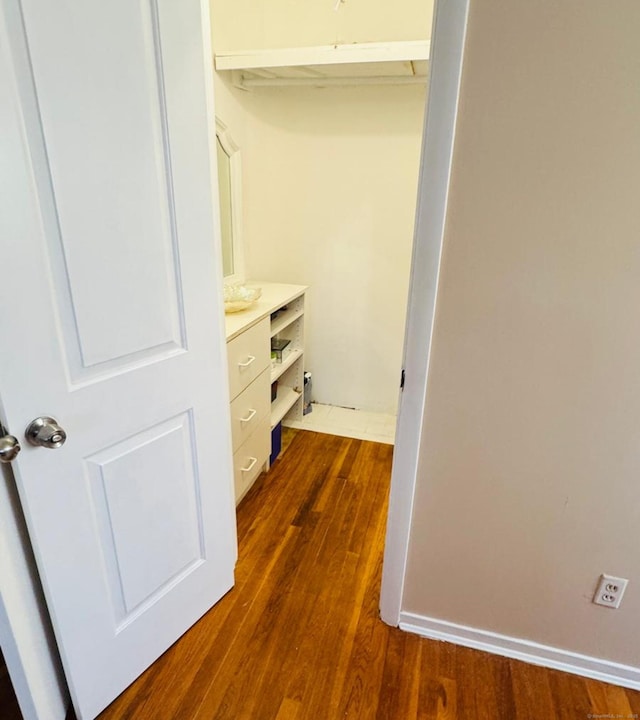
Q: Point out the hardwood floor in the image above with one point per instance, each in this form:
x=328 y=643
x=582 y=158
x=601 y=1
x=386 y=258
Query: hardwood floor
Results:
x=299 y=637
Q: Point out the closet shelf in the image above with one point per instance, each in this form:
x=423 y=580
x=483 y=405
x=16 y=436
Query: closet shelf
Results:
x=390 y=63
x=281 y=368
x=287 y=398
x=285 y=319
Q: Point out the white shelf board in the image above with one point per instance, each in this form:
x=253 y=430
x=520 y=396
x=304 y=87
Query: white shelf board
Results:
x=284 y=320
x=280 y=368
x=287 y=398
x=357 y=63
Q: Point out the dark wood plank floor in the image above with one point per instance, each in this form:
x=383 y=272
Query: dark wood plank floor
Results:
x=299 y=637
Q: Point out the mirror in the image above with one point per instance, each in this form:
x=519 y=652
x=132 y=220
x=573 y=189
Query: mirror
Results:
x=230 y=189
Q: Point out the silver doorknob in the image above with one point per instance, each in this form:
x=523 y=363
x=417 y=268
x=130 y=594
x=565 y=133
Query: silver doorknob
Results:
x=9 y=447
x=45 y=432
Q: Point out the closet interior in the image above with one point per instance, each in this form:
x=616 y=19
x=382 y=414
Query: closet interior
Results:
x=323 y=110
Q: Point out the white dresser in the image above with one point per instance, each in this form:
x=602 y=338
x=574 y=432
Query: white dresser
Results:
x=278 y=313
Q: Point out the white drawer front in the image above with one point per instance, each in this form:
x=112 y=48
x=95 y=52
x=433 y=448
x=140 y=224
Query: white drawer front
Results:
x=250 y=458
x=249 y=354
x=250 y=408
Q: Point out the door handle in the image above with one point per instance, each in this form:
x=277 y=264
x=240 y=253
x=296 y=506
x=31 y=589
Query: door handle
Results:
x=45 y=432
x=250 y=359
x=9 y=446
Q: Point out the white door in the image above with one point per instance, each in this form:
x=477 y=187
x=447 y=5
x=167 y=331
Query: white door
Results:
x=111 y=322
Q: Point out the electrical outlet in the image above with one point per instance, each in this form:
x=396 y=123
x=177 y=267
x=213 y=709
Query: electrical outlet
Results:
x=610 y=591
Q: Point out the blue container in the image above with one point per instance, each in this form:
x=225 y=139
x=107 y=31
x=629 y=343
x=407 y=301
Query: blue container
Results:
x=276 y=442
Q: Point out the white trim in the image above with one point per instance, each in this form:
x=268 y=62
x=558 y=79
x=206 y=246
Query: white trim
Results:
x=435 y=169
x=401 y=51
x=26 y=637
x=235 y=172
x=244 y=82
x=518 y=649
x=399 y=62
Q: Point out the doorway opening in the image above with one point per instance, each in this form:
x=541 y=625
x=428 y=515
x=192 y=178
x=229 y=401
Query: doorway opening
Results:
x=330 y=180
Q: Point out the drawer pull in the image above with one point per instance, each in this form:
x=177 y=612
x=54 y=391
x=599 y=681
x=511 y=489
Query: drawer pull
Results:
x=250 y=359
x=250 y=416
x=251 y=465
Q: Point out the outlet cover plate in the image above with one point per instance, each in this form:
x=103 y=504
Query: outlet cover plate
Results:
x=610 y=591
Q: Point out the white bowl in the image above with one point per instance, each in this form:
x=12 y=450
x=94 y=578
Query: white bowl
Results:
x=239 y=297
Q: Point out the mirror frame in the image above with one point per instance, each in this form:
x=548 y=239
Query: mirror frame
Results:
x=235 y=172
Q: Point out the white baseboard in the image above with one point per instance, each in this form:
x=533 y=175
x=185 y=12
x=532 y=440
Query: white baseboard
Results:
x=625 y=675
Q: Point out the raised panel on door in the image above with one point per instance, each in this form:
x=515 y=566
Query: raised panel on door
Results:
x=146 y=499
x=125 y=228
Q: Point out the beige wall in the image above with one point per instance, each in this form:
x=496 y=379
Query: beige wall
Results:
x=529 y=485
x=251 y=24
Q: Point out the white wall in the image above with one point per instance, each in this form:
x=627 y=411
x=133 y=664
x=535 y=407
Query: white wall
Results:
x=528 y=486
x=330 y=180
x=332 y=184
x=329 y=190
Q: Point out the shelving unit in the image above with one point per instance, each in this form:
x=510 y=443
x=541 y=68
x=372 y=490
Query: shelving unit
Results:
x=278 y=313
x=398 y=62
x=287 y=322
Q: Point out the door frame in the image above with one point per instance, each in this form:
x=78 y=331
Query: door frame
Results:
x=26 y=635
x=445 y=76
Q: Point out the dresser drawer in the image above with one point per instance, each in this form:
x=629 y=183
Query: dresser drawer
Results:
x=250 y=408
x=248 y=354
x=249 y=460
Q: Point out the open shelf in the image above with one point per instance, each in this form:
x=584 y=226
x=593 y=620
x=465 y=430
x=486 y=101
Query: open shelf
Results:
x=400 y=62
x=287 y=398
x=285 y=319
x=281 y=368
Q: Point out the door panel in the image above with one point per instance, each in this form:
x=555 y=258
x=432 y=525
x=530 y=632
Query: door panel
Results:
x=146 y=503
x=115 y=325
x=122 y=175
